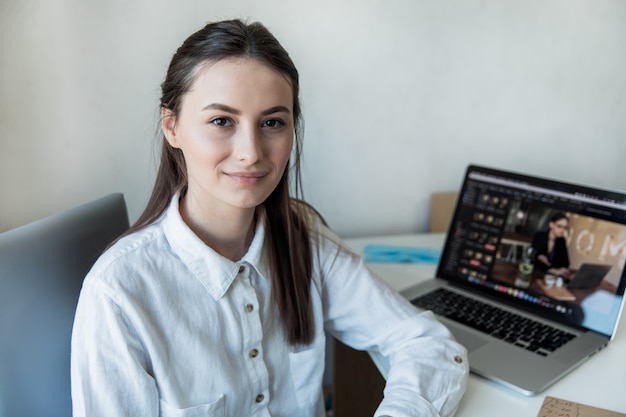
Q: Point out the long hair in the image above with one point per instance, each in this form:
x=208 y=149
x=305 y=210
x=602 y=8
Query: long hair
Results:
x=287 y=236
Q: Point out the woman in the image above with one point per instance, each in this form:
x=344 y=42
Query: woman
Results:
x=550 y=247
x=217 y=301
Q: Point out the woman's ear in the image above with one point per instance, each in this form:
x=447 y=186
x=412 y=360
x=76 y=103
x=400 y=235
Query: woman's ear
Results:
x=168 y=126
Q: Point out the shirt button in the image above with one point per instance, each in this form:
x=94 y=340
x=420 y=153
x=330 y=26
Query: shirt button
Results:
x=458 y=359
x=259 y=398
x=249 y=308
x=253 y=353
x=241 y=269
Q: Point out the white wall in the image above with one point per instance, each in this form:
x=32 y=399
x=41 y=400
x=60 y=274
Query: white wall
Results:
x=399 y=96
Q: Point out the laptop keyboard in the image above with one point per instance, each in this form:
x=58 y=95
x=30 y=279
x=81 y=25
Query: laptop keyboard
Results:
x=509 y=327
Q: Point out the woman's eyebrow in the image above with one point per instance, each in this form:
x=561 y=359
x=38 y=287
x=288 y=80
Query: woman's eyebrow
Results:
x=232 y=110
x=222 y=107
x=276 y=109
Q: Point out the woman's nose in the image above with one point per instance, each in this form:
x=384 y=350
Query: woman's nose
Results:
x=247 y=147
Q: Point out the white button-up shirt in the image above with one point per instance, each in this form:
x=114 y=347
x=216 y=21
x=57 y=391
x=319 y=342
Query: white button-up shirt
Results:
x=165 y=326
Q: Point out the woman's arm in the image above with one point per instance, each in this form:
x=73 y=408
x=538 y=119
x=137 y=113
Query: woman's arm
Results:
x=428 y=369
x=108 y=367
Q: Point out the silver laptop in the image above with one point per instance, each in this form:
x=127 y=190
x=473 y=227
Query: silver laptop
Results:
x=523 y=324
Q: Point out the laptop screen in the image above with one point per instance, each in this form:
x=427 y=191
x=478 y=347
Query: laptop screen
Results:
x=554 y=248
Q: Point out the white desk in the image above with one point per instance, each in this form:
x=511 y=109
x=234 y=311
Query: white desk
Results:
x=599 y=382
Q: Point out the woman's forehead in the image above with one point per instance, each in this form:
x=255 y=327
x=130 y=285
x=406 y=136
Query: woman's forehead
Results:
x=241 y=82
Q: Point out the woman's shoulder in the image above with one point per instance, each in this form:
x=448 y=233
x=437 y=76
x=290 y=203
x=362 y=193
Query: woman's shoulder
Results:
x=325 y=241
x=128 y=252
x=312 y=218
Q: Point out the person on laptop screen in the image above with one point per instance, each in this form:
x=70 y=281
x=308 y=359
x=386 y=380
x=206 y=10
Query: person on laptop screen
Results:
x=219 y=298
x=550 y=247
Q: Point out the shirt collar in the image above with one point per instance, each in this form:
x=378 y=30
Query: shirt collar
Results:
x=216 y=272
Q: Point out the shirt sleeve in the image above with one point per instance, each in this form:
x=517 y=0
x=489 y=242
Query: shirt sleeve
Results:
x=428 y=369
x=108 y=369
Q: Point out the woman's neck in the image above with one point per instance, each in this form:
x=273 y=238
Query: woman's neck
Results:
x=229 y=232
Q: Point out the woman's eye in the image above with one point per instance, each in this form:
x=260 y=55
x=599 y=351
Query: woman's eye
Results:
x=221 y=122
x=273 y=123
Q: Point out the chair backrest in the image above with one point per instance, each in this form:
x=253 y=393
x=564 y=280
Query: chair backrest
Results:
x=441 y=209
x=42 y=266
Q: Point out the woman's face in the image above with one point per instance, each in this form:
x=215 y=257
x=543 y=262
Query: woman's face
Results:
x=236 y=131
x=559 y=227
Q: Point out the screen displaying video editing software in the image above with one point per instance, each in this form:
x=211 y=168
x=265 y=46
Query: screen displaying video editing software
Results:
x=557 y=247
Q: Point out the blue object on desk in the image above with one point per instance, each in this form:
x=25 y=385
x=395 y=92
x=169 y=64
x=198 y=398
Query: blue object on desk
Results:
x=400 y=254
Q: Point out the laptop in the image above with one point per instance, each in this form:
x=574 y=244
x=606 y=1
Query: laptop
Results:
x=589 y=276
x=548 y=328
x=42 y=266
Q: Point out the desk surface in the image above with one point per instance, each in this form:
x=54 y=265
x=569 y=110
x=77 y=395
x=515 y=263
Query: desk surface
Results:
x=599 y=382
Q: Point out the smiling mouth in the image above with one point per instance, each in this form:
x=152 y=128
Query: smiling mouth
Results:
x=247 y=178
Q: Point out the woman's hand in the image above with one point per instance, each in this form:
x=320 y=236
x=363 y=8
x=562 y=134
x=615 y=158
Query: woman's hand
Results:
x=544 y=260
x=561 y=272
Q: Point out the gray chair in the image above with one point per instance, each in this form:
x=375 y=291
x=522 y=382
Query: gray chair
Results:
x=42 y=266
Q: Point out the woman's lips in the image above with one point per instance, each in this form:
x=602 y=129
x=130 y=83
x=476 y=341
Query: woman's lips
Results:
x=247 y=178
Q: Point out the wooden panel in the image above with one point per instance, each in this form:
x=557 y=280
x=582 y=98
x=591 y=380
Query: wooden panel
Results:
x=358 y=385
x=441 y=210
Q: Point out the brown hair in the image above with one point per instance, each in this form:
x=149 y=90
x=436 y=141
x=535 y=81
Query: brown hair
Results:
x=287 y=236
